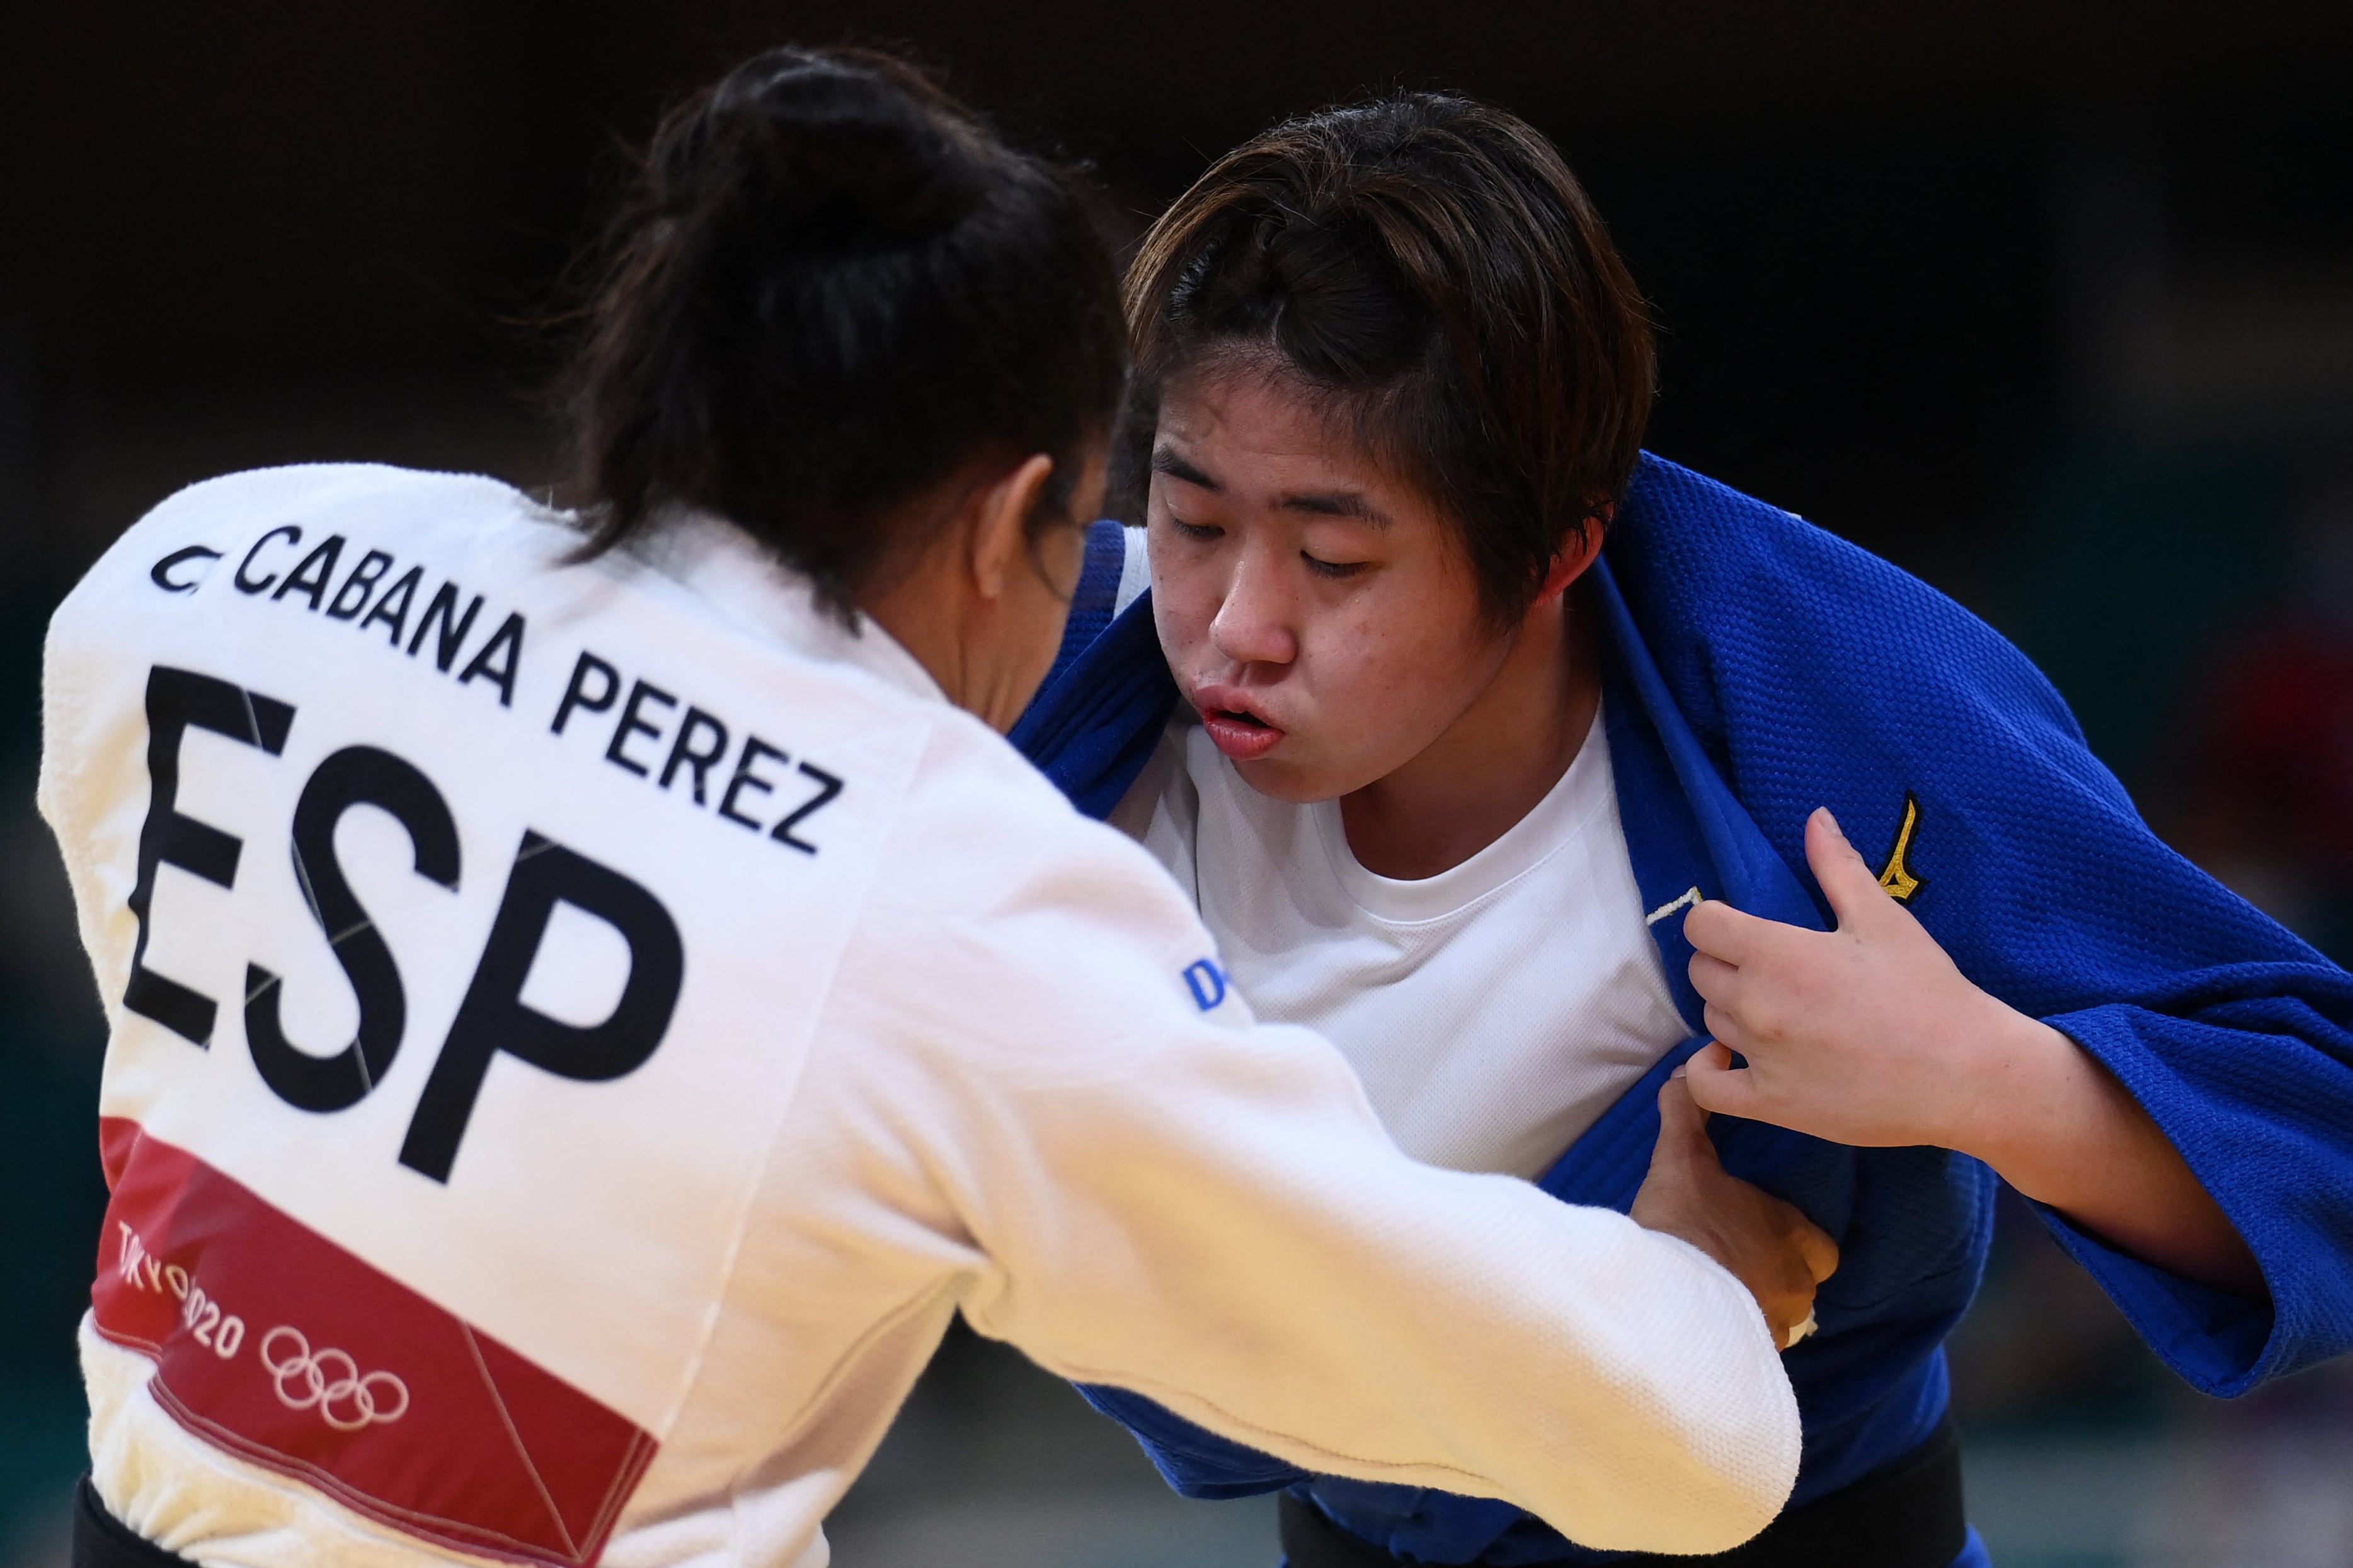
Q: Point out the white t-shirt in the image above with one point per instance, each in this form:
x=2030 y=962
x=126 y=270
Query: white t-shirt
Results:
x=578 y=1032
x=1494 y=1011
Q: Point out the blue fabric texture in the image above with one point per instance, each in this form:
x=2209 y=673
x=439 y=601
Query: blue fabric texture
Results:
x=1756 y=667
x=1100 y=712
x=1093 y=600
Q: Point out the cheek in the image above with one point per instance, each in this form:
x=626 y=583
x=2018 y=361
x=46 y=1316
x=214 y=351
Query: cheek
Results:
x=1185 y=600
x=1390 y=679
x=1396 y=675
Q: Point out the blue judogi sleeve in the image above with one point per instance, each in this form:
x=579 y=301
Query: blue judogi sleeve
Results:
x=1816 y=674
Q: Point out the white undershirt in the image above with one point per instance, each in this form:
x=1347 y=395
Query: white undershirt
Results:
x=1494 y=1011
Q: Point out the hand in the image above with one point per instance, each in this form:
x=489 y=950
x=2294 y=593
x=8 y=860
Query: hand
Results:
x=1870 y=1035
x=1867 y=1035
x=1765 y=1242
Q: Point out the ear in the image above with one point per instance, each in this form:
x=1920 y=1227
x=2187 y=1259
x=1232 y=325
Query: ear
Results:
x=1001 y=525
x=1577 y=552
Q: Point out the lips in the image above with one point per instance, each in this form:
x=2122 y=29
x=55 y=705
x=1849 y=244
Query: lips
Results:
x=1233 y=726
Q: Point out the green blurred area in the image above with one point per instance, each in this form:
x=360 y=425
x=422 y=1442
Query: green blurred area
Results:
x=2130 y=562
x=51 y=1043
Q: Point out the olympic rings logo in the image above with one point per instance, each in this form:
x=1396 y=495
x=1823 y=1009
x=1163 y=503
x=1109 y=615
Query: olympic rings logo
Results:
x=346 y=1399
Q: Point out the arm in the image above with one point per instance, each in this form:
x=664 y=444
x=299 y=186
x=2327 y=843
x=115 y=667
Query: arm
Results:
x=1206 y=1212
x=1767 y=1244
x=1241 y=1242
x=1870 y=1035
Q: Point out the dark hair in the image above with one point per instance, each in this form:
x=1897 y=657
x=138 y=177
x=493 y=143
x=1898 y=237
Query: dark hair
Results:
x=1427 y=266
x=831 y=287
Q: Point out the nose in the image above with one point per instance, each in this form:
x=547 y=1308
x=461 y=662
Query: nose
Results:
x=1255 y=625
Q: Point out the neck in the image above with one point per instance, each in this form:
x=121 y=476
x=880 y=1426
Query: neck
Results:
x=1490 y=767
x=922 y=613
x=959 y=636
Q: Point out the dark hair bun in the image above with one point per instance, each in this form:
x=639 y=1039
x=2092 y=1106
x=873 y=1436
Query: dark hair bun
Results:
x=851 y=148
x=832 y=286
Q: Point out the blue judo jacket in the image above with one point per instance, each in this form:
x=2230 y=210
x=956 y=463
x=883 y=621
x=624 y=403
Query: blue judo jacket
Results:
x=1755 y=667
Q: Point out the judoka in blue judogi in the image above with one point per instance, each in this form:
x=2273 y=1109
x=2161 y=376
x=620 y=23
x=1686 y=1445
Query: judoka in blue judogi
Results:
x=1756 y=667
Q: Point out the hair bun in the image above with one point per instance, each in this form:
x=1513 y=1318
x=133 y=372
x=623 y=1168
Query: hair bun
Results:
x=842 y=148
x=832 y=289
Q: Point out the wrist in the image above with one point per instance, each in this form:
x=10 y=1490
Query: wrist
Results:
x=2022 y=1084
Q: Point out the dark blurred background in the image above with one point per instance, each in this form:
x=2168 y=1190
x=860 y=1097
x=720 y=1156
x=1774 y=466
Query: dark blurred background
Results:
x=2051 y=303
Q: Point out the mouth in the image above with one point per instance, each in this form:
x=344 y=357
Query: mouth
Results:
x=1240 y=733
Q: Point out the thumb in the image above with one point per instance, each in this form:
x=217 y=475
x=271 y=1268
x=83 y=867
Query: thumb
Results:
x=1847 y=878
x=1714 y=1084
x=1677 y=1111
x=1682 y=1125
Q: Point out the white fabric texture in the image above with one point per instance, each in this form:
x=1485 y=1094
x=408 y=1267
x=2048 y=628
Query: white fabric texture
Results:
x=1135 y=569
x=1494 y=1011
x=950 y=1061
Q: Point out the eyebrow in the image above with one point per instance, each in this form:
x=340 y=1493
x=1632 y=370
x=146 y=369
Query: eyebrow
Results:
x=1336 y=504
x=1320 y=503
x=1165 y=462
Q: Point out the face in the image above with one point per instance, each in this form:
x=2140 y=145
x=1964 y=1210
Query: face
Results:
x=1316 y=610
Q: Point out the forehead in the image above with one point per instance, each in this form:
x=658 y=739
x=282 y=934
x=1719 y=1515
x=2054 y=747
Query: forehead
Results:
x=1250 y=429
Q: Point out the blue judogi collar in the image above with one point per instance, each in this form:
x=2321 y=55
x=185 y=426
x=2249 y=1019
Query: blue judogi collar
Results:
x=1755 y=668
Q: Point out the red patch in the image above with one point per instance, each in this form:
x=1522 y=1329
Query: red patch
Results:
x=281 y=1347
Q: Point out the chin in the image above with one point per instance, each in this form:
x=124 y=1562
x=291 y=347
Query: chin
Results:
x=1290 y=781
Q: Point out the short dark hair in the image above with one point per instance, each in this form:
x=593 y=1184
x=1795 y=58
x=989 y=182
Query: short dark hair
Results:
x=830 y=287
x=1428 y=266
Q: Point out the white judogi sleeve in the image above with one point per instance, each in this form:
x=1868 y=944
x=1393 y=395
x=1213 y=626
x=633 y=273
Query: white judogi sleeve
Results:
x=1176 y=1200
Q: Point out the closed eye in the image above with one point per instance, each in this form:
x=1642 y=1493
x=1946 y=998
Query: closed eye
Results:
x=1199 y=532
x=1334 y=569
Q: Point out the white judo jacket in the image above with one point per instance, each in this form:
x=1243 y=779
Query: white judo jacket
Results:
x=578 y=1031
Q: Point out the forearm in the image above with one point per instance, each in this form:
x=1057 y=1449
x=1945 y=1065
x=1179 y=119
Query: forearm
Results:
x=1644 y=1410
x=2059 y=1127
x=1236 y=1239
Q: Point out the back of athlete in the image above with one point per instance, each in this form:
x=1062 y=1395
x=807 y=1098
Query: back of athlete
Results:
x=359 y=1113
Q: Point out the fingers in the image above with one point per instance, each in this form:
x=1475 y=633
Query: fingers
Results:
x=1712 y=978
x=1820 y=1252
x=1715 y=927
x=1676 y=1107
x=1766 y=1243
x=1683 y=1143
x=1816 y=1259
x=1714 y=1084
x=1682 y=1163
x=1718 y=931
x=1847 y=878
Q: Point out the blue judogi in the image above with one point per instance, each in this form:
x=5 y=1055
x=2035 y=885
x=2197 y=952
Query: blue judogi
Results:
x=1755 y=668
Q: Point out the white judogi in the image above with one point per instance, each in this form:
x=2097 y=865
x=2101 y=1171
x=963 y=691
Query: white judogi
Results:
x=578 y=1031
